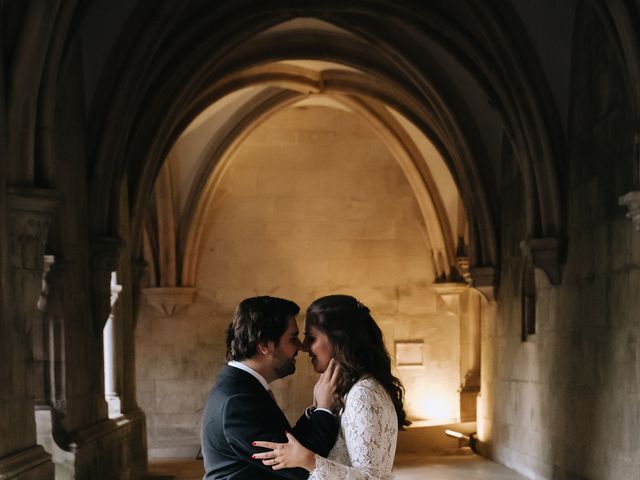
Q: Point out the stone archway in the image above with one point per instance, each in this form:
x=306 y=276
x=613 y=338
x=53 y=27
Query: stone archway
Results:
x=299 y=219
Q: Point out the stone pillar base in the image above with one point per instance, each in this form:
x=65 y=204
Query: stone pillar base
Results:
x=31 y=464
x=110 y=449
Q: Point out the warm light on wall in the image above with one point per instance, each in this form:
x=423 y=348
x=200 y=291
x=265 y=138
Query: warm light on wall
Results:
x=434 y=404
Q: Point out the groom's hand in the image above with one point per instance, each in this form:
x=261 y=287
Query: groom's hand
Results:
x=325 y=388
x=286 y=455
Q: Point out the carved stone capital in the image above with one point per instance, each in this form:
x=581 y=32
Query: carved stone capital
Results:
x=31 y=211
x=632 y=201
x=105 y=252
x=546 y=254
x=485 y=280
x=169 y=300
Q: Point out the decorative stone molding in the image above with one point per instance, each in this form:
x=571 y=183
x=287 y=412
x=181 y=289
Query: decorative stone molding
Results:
x=105 y=252
x=450 y=294
x=169 y=300
x=31 y=211
x=632 y=201
x=547 y=254
x=485 y=280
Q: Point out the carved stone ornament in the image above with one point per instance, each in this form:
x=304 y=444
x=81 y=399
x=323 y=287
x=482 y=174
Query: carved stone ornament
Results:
x=632 y=201
x=547 y=254
x=105 y=252
x=485 y=280
x=450 y=294
x=31 y=212
x=169 y=300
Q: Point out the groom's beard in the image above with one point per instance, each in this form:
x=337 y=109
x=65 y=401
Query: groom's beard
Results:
x=283 y=365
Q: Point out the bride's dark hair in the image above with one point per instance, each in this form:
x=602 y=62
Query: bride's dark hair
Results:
x=358 y=346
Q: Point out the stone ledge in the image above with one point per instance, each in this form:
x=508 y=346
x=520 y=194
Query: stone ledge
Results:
x=33 y=463
x=115 y=446
x=107 y=430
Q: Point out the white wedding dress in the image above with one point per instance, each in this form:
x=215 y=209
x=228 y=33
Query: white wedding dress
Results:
x=366 y=443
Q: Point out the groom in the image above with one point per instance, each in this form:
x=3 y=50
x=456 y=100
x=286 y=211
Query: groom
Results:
x=262 y=344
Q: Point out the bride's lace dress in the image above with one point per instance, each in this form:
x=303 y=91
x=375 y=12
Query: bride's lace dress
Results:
x=366 y=444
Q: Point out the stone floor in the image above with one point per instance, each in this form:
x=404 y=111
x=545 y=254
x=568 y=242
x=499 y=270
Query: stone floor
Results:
x=408 y=467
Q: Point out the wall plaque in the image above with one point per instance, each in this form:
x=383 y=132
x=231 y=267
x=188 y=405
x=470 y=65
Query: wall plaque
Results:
x=409 y=353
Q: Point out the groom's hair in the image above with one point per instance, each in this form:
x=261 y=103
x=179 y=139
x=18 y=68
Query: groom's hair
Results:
x=257 y=320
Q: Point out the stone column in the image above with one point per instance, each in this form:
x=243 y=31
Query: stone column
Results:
x=39 y=339
x=470 y=359
x=113 y=352
x=54 y=335
x=463 y=303
x=51 y=413
x=105 y=252
x=30 y=213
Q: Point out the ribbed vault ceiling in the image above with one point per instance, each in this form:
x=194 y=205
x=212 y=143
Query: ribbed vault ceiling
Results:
x=446 y=84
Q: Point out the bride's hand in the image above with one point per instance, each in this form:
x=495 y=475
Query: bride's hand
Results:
x=286 y=455
x=325 y=388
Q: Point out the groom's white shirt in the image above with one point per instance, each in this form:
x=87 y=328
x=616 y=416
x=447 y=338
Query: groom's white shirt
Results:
x=251 y=371
x=263 y=382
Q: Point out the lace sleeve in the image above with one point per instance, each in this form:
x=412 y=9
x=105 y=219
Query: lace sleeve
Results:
x=370 y=428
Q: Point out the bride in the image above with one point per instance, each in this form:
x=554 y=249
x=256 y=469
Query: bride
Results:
x=368 y=396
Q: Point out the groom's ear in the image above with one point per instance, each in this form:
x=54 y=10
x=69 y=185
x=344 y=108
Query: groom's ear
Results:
x=263 y=347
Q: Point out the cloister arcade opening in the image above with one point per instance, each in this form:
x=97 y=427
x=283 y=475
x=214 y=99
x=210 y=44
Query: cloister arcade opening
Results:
x=277 y=190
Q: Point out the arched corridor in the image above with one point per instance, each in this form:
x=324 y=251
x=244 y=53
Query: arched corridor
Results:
x=470 y=170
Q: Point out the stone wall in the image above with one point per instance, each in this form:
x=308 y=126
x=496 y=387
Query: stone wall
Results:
x=312 y=204
x=565 y=404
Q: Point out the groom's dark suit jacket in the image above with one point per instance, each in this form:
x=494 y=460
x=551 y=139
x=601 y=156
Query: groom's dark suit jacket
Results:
x=239 y=411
